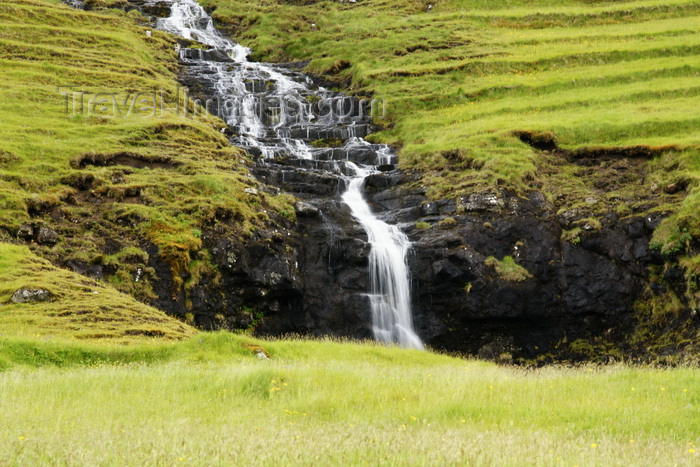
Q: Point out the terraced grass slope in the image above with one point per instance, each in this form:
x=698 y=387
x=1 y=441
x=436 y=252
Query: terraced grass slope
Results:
x=592 y=102
x=110 y=178
x=461 y=78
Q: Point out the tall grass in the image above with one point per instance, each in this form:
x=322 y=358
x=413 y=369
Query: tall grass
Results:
x=211 y=402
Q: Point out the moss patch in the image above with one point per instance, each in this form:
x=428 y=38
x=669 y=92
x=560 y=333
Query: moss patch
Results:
x=507 y=269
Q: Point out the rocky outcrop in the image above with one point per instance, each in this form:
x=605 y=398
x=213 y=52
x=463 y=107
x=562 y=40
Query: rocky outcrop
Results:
x=574 y=287
x=582 y=287
x=38 y=232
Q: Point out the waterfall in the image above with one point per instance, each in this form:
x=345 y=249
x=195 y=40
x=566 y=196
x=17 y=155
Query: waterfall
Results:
x=270 y=108
x=391 y=292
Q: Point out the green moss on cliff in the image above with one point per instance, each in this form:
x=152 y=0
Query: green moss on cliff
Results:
x=78 y=308
x=507 y=269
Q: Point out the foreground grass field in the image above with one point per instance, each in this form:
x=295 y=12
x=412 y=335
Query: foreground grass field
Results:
x=209 y=401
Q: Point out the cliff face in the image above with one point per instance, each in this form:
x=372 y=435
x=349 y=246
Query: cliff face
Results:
x=473 y=297
x=491 y=274
x=195 y=227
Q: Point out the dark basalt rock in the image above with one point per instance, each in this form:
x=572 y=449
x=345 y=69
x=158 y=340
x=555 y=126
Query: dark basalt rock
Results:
x=93 y=271
x=312 y=279
x=575 y=290
x=213 y=55
x=37 y=232
x=26 y=231
x=306 y=209
x=460 y=304
x=46 y=236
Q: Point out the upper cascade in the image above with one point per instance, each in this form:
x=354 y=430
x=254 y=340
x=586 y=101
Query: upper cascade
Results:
x=189 y=20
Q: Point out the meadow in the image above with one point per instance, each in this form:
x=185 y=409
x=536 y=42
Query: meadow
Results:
x=209 y=401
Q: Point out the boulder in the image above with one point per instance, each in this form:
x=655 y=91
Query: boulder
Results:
x=31 y=295
x=26 y=232
x=46 y=236
x=479 y=202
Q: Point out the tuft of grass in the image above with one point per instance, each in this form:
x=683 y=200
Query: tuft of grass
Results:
x=507 y=269
x=572 y=236
x=447 y=223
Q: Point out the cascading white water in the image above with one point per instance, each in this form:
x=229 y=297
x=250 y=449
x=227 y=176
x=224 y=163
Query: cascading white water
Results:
x=391 y=291
x=246 y=84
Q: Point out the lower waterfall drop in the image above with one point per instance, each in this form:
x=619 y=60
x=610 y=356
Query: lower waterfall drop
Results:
x=391 y=290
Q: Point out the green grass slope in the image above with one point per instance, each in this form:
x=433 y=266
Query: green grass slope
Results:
x=108 y=183
x=209 y=401
x=461 y=79
x=79 y=308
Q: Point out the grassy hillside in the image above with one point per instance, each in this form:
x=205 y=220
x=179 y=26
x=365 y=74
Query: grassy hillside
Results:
x=79 y=308
x=209 y=401
x=109 y=183
x=462 y=79
x=592 y=102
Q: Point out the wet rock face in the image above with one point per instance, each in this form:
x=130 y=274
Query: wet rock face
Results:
x=312 y=279
x=256 y=278
x=316 y=282
x=580 y=288
x=573 y=287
